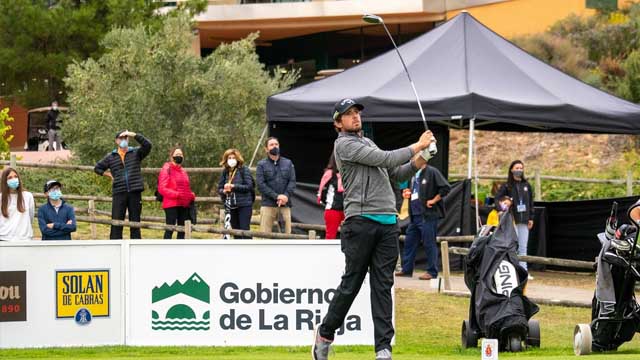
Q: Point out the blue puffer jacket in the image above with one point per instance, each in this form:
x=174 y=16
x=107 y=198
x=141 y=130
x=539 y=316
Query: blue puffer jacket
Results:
x=243 y=186
x=275 y=178
x=61 y=230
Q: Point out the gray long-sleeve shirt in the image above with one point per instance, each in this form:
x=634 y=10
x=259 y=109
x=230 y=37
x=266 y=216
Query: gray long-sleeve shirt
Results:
x=366 y=174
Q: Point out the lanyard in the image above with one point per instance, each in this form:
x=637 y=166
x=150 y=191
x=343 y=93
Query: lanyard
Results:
x=233 y=174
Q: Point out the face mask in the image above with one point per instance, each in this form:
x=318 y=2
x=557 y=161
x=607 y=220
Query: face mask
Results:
x=55 y=108
x=178 y=159
x=518 y=173
x=55 y=195
x=123 y=143
x=13 y=183
x=232 y=162
x=503 y=207
x=274 y=151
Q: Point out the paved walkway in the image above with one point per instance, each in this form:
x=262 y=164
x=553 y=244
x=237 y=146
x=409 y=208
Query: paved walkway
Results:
x=541 y=294
x=42 y=156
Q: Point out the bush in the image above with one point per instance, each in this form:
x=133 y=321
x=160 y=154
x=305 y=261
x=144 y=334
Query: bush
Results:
x=151 y=82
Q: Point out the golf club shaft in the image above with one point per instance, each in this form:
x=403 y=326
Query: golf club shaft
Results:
x=432 y=148
x=406 y=71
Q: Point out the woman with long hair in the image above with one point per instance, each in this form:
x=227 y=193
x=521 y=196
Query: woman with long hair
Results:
x=236 y=188
x=17 y=207
x=330 y=194
x=175 y=188
x=520 y=193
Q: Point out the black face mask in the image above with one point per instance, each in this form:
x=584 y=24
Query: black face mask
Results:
x=274 y=151
x=178 y=159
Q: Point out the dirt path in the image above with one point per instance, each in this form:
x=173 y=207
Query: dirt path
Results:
x=544 y=289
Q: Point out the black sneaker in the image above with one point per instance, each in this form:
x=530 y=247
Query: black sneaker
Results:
x=321 y=346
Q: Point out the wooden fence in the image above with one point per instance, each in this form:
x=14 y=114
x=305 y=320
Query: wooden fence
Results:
x=188 y=228
x=628 y=182
x=446 y=250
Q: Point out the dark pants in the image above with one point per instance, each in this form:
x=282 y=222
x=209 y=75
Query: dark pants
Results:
x=122 y=202
x=421 y=231
x=367 y=245
x=241 y=219
x=175 y=216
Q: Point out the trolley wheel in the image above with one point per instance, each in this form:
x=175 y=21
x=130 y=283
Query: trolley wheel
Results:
x=582 y=339
x=515 y=343
x=468 y=336
x=533 y=339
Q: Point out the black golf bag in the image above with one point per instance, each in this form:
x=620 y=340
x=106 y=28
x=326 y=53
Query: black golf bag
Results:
x=498 y=308
x=615 y=313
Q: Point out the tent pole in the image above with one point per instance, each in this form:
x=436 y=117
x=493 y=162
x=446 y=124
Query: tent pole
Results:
x=475 y=171
x=255 y=152
x=472 y=122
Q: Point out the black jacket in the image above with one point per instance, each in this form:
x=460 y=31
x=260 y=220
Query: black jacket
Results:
x=127 y=177
x=521 y=190
x=243 y=186
x=275 y=178
x=52 y=118
x=432 y=182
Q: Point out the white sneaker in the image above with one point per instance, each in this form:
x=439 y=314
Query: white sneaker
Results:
x=530 y=277
x=384 y=354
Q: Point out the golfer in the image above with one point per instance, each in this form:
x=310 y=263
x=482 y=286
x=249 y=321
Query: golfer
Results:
x=369 y=235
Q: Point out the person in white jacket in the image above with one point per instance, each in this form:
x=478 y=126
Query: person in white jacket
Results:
x=17 y=208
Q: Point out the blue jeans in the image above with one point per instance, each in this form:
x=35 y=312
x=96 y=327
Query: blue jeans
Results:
x=523 y=241
x=421 y=231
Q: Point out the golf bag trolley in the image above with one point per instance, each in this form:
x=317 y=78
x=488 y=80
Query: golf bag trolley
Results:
x=615 y=313
x=498 y=308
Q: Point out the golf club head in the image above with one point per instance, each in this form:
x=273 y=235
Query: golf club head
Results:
x=372 y=19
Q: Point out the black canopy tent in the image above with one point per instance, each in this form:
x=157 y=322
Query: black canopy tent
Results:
x=466 y=76
x=463 y=70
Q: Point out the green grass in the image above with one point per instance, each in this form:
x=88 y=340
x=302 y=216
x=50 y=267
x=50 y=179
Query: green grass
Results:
x=428 y=327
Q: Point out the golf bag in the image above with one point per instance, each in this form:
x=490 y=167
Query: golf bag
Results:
x=498 y=308
x=615 y=313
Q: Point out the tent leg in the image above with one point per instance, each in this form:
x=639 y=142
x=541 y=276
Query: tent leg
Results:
x=472 y=167
x=475 y=175
x=472 y=122
x=255 y=152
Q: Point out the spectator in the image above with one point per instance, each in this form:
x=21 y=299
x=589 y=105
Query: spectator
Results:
x=370 y=232
x=18 y=208
x=236 y=184
x=490 y=199
x=52 y=127
x=123 y=164
x=174 y=186
x=520 y=192
x=330 y=194
x=428 y=187
x=503 y=204
x=276 y=178
x=57 y=220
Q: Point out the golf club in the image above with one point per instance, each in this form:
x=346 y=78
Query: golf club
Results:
x=375 y=19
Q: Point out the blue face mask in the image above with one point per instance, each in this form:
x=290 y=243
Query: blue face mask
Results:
x=55 y=195
x=13 y=183
x=124 y=143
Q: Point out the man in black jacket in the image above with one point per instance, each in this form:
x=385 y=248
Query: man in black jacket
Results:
x=276 y=178
x=428 y=188
x=52 y=127
x=123 y=164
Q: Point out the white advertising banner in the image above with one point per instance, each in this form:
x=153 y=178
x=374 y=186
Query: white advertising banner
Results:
x=252 y=292
x=61 y=293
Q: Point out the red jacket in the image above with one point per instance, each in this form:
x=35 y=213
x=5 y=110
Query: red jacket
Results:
x=173 y=185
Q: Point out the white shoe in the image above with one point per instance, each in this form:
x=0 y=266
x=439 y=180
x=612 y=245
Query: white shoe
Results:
x=530 y=277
